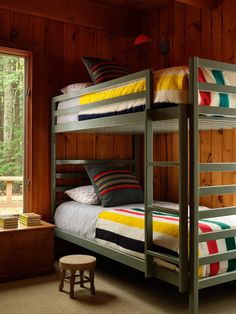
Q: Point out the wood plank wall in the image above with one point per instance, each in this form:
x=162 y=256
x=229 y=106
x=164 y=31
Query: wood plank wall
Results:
x=203 y=33
x=57 y=49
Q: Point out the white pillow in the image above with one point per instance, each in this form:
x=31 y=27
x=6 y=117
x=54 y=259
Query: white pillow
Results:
x=74 y=87
x=84 y=195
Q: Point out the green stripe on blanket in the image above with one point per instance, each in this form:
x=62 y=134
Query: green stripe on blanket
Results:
x=230 y=242
x=224 y=98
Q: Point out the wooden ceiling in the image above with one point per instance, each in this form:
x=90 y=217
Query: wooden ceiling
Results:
x=136 y=5
x=140 y=5
x=118 y=16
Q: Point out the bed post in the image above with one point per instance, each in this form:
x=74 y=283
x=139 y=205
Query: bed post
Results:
x=53 y=162
x=183 y=197
x=148 y=176
x=194 y=187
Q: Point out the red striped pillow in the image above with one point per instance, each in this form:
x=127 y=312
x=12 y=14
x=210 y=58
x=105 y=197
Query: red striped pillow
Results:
x=102 y=70
x=115 y=185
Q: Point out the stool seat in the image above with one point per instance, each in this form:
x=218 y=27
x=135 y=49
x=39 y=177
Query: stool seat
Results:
x=75 y=263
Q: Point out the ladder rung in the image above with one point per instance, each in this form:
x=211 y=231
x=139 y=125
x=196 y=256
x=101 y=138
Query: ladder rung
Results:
x=217 y=212
x=165 y=210
x=225 y=166
x=163 y=163
x=165 y=257
x=215 y=235
x=217 y=189
x=211 y=87
x=217 y=257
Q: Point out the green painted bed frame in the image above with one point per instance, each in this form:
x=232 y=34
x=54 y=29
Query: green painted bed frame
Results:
x=184 y=119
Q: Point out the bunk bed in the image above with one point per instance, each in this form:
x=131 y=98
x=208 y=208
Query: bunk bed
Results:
x=187 y=119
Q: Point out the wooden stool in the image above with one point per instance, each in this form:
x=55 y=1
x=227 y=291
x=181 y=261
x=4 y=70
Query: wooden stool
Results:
x=75 y=263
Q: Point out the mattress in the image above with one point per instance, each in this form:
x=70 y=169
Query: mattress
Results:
x=122 y=228
x=170 y=87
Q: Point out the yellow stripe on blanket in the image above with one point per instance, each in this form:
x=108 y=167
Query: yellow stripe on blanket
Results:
x=170 y=229
x=169 y=80
x=134 y=87
x=167 y=228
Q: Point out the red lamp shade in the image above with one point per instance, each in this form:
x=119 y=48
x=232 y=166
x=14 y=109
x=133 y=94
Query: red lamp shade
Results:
x=141 y=39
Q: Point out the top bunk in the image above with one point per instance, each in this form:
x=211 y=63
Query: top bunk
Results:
x=123 y=105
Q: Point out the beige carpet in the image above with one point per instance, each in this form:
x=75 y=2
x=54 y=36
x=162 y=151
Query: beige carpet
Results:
x=119 y=290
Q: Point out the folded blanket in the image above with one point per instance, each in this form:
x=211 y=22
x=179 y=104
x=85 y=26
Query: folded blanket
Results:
x=123 y=229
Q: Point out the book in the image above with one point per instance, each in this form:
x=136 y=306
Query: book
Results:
x=8 y=218
x=30 y=216
x=30 y=219
x=8 y=221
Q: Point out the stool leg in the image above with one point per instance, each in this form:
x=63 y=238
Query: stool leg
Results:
x=91 y=279
x=62 y=277
x=81 y=272
x=72 y=282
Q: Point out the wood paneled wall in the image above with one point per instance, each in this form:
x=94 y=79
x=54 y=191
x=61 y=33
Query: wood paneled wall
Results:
x=57 y=49
x=209 y=34
x=192 y=31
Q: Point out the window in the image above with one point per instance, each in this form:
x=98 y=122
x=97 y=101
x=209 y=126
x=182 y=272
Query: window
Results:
x=14 y=75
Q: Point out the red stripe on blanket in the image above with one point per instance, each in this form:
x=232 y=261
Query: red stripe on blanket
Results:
x=212 y=245
x=129 y=211
x=205 y=97
x=212 y=248
x=142 y=214
x=119 y=187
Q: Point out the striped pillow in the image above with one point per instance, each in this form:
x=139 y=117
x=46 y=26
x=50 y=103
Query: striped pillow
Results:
x=115 y=185
x=102 y=70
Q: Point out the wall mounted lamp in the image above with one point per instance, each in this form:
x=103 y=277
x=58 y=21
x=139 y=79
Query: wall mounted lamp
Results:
x=142 y=39
x=164 y=45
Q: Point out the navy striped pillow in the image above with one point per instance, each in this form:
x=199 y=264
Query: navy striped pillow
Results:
x=115 y=185
x=102 y=70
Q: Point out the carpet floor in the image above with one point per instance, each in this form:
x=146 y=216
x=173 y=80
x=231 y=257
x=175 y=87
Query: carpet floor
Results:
x=119 y=290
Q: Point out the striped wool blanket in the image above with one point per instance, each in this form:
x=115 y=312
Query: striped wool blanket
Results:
x=123 y=229
x=171 y=86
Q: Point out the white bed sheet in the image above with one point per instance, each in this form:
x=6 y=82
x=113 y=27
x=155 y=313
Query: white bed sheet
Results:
x=65 y=104
x=115 y=108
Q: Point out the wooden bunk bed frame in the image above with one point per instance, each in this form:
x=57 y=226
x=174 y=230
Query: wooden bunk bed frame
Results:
x=186 y=119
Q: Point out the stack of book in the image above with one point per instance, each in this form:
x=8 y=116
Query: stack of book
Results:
x=8 y=221
x=30 y=219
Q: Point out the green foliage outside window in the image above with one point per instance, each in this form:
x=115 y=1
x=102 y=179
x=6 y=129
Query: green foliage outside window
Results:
x=11 y=116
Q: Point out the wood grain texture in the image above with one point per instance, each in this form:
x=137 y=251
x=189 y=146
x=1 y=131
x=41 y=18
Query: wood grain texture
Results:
x=211 y=34
x=26 y=251
x=57 y=49
x=5 y=22
x=86 y=13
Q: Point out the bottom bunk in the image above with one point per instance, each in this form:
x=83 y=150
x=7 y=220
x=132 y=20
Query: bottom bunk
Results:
x=118 y=233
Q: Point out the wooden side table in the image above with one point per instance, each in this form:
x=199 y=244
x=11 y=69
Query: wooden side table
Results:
x=75 y=263
x=26 y=251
